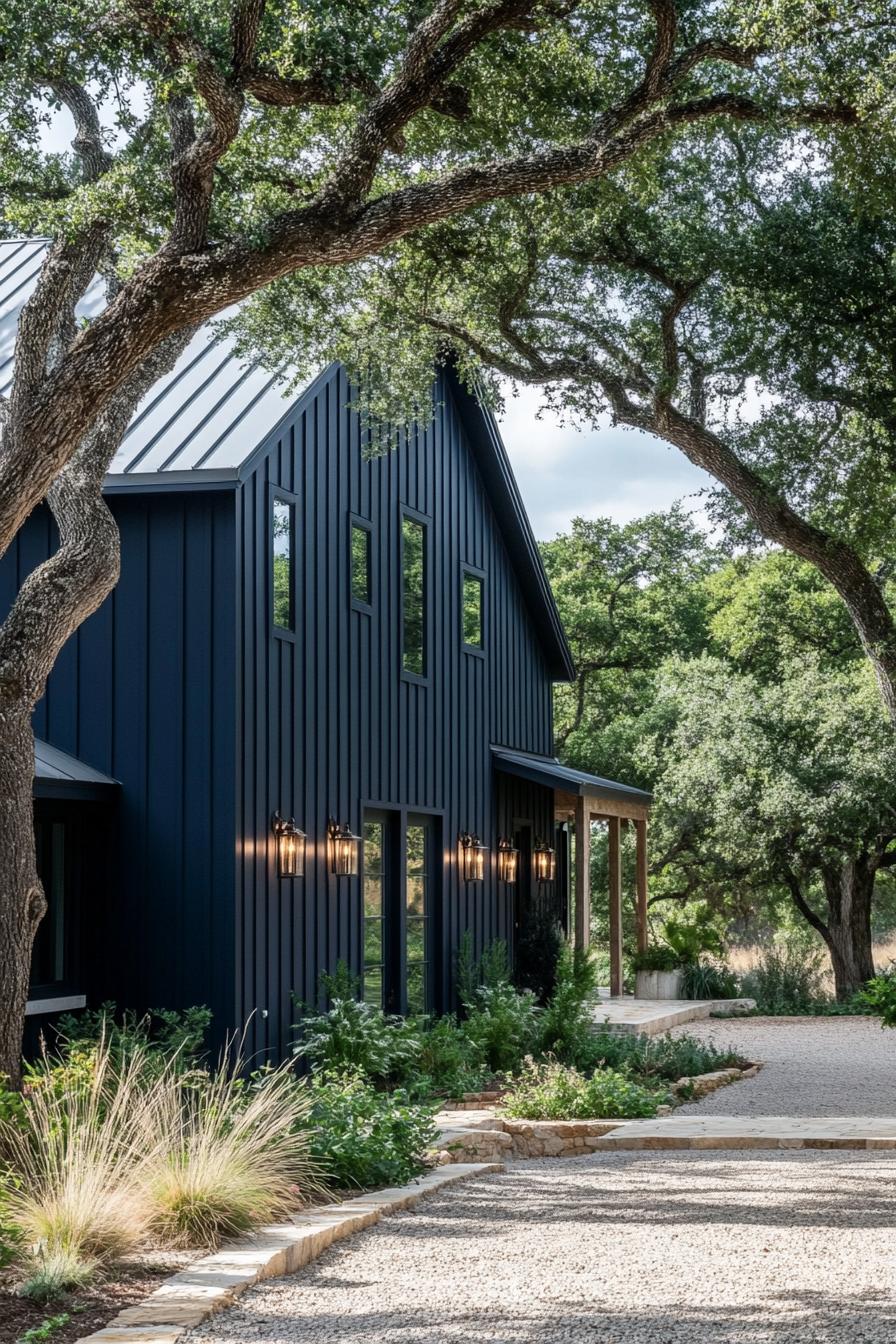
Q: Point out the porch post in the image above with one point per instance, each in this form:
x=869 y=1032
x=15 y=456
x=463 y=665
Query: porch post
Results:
x=582 y=920
x=615 y=907
x=641 y=867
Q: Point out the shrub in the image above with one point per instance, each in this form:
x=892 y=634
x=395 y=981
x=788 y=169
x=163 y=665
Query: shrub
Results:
x=162 y=1032
x=692 y=932
x=366 y=1138
x=879 y=996
x=786 y=979
x=656 y=958
x=555 y=1091
x=658 y=1058
x=709 y=980
x=449 y=1062
x=76 y=1154
x=538 y=951
x=566 y=1024
x=502 y=1024
x=231 y=1155
x=355 y=1036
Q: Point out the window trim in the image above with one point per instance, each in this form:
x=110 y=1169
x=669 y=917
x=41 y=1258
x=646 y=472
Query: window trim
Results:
x=276 y=494
x=416 y=678
x=364 y=525
x=476 y=650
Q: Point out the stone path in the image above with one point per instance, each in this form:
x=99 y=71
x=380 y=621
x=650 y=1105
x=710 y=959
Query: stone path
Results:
x=622 y=1248
x=812 y=1066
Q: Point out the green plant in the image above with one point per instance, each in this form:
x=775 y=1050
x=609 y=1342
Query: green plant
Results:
x=566 y=1022
x=787 y=978
x=706 y=979
x=656 y=958
x=538 y=951
x=449 y=1062
x=355 y=1035
x=879 y=996
x=692 y=933
x=665 y=1058
x=502 y=1024
x=492 y=968
x=553 y=1091
x=76 y=1198
x=231 y=1155
x=45 y=1330
x=363 y=1137
x=166 y=1032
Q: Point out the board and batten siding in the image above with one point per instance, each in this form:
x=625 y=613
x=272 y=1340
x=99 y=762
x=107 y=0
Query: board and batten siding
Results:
x=145 y=692
x=328 y=723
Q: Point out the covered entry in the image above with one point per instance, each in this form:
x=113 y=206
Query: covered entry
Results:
x=579 y=799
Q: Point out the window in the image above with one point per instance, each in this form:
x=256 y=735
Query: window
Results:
x=359 y=558
x=374 y=912
x=283 y=563
x=413 y=577
x=48 y=953
x=416 y=917
x=472 y=610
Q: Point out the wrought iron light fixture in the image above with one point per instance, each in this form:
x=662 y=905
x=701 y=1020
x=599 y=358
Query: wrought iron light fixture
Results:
x=345 y=849
x=473 y=853
x=508 y=861
x=545 y=861
x=290 y=846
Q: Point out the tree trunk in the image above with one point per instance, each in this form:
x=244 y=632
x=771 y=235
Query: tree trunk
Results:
x=849 y=891
x=22 y=901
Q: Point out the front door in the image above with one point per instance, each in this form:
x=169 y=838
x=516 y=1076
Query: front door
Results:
x=400 y=906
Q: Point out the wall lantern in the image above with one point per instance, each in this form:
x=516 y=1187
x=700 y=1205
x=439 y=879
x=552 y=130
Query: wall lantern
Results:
x=545 y=860
x=473 y=853
x=345 y=849
x=290 y=846
x=508 y=860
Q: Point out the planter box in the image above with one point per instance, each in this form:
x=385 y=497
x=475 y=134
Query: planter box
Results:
x=658 y=984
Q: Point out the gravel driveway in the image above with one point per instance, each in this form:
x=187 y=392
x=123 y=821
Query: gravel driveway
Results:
x=811 y=1066
x=627 y=1248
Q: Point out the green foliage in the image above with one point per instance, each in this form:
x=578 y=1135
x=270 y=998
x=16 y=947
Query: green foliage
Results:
x=38 y=1333
x=567 y=1021
x=691 y=933
x=787 y=978
x=705 y=979
x=502 y=1024
x=553 y=1091
x=879 y=996
x=355 y=1035
x=665 y=1058
x=449 y=1062
x=492 y=968
x=657 y=957
x=363 y=1137
x=537 y=951
x=163 y=1031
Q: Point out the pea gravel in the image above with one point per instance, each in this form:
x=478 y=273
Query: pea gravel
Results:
x=624 y=1248
x=811 y=1066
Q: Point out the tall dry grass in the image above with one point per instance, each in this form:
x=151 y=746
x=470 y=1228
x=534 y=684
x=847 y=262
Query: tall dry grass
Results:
x=745 y=959
x=232 y=1155
x=77 y=1155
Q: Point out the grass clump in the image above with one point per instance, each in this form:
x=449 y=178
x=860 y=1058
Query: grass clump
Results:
x=554 y=1091
x=658 y=1058
x=787 y=979
x=231 y=1155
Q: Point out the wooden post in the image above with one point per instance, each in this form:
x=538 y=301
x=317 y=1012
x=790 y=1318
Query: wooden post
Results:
x=641 y=868
x=615 y=906
x=582 y=920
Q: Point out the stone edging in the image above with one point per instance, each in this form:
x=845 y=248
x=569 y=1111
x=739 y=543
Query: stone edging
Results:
x=214 y=1282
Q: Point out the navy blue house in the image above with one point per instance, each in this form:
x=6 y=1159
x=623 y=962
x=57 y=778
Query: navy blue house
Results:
x=363 y=644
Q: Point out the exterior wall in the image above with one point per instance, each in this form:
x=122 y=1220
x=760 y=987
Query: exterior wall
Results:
x=329 y=724
x=145 y=692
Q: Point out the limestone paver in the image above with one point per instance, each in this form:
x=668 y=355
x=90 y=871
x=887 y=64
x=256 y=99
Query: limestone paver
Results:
x=650 y=1017
x=620 y=1248
x=722 y=1131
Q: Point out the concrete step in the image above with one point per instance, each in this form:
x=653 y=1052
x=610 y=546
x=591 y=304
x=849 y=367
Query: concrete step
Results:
x=651 y=1017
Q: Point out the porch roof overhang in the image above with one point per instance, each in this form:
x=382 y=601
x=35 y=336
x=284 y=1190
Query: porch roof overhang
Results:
x=602 y=797
x=58 y=775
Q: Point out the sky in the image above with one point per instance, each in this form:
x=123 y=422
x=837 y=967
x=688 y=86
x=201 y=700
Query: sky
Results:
x=564 y=472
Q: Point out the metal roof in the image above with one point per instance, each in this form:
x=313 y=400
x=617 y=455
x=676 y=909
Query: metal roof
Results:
x=210 y=412
x=549 y=771
x=58 y=775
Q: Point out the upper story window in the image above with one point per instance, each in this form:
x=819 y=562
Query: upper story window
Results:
x=360 y=562
x=413 y=607
x=471 y=610
x=283 y=546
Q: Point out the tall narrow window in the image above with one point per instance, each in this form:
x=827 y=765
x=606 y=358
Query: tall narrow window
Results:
x=416 y=916
x=374 y=912
x=283 y=563
x=413 y=566
x=360 y=563
x=472 y=610
x=48 y=952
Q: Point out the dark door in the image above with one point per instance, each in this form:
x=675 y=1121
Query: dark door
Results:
x=400 y=894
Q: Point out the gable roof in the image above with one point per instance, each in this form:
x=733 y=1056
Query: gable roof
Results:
x=58 y=775
x=551 y=772
x=206 y=422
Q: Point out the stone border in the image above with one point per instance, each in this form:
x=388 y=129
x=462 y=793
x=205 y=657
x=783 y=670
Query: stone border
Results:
x=213 y=1283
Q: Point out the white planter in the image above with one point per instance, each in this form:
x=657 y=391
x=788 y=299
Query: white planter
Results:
x=658 y=984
